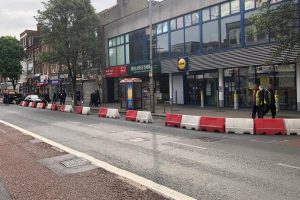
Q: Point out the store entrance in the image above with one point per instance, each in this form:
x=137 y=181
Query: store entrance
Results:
x=205 y=83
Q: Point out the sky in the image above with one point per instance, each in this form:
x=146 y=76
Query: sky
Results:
x=17 y=15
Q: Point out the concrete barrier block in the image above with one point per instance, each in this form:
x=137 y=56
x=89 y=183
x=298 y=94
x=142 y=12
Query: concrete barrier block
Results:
x=190 y=122
x=144 y=117
x=113 y=113
x=68 y=108
x=292 y=126
x=49 y=106
x=86 y=110
x=239 y=125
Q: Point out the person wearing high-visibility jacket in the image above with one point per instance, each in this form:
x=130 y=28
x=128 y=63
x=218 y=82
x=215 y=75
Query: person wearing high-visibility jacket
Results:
x=255 y=108
x=259 y=100
x=269 y=101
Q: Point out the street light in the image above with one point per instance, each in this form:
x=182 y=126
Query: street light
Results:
x=151 y=74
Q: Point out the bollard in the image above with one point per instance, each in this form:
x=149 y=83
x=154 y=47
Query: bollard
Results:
x=277 y=101
x=236 y=101
x=202 y=99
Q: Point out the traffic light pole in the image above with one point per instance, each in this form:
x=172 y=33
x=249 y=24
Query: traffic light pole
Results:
x=151 y=74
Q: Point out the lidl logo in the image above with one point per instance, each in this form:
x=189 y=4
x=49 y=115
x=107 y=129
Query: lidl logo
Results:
x=183 y=64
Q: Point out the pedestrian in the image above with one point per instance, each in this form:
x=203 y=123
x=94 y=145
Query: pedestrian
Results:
x=54 y=97
x=96 y=98
x=63 y=97
x=260 y=101
x=46 y=97
x=78 y=97
x=269 y=101
x=92 y=99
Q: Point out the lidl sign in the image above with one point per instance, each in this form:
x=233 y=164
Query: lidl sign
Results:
x=183 y=64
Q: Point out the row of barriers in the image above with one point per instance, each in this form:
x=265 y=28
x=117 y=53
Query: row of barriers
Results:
x=235 y=125
x=203 y=123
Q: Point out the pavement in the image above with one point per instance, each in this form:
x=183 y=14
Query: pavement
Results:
x=31 y=169
x=199 y=164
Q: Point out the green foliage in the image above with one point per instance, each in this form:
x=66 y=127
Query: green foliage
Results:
x=11 y=54
x=281 y=22
x=70 y=29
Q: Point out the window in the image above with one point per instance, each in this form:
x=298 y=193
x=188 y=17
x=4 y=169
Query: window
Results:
x=159 y=29
x=210 y=36
x=188 y=20
x=137 y=46
x=173 y=24
x=195 y=18
x=192 y=40
x=249 y=4
x=165 y=27
x=177 y=43
x=120 y=55
x=127 y=54
x=230 y=31
x=162 y=46
x=127 y=38
x=225 y=9
x=206 y=14
x=180 y=22
x=251 y=35
x=109 y=43
x=235 y=6
x=214 y=12
x=162 y=28
x=113 y=56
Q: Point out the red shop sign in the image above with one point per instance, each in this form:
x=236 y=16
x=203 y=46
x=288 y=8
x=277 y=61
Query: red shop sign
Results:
x=117 y=71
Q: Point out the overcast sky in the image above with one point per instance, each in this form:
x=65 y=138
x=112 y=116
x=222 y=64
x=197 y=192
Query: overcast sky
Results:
x=17 y=15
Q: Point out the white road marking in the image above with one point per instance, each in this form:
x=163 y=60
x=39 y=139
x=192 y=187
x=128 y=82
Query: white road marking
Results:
x=2 y=131
x=189 y=145
x=167 y=192
x=289 y=166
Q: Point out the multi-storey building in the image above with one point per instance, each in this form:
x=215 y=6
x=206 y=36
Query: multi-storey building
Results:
x=223 y=56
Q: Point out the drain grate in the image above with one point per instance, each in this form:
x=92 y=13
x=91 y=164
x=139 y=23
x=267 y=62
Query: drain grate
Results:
x=208 y=139
x=138 y=139
x=74 y=162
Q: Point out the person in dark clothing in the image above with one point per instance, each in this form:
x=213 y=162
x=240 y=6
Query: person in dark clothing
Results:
x=46 y=97
x=269 y=101
x=78 y=97
x=63 y=97
x=92 y=97
x=96 y=98
x=54 y=97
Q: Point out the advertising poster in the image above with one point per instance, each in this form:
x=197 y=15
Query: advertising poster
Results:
x=129 y=97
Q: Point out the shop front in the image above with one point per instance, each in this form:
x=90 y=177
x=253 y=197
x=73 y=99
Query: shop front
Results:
x=113 y=76
x=240 y=81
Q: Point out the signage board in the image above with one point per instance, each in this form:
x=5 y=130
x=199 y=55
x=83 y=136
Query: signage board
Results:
x=143 y=69
x=116 y=71
x=183 y=64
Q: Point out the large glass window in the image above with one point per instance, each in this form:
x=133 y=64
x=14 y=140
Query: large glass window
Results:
x=210 y=36
x=113 y=56
x=249 y=4
x=235 y=6
x=162 y=48
x=195 y=18
x=230 y=31
x=137 y=51
x=173 y=24
x=225 y=9
x=177 y=43
x=127 y=54
x=120 y=55
x=206 y=14
x=214 y=12
x=192 y=40
x=251 y=35
x=188 y=20
x=180 y=22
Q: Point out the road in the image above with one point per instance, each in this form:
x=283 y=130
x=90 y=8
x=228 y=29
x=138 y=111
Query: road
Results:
x=199 y=164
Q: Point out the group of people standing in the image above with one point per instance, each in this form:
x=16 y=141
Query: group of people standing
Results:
x=263 y=101
x=59 y=96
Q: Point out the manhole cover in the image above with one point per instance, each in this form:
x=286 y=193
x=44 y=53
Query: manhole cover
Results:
x=208 y=139
x=138 y=139
x=74 y=162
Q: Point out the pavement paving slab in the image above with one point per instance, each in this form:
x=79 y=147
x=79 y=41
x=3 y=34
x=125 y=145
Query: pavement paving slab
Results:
x=23 y=176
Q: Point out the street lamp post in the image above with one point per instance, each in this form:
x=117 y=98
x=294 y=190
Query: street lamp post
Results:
x=151 y=74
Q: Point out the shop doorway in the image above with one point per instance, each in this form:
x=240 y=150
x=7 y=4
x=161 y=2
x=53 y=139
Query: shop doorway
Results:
x=205 y=83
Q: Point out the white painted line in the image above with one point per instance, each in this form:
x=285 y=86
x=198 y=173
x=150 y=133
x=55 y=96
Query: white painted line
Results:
x=167 y=192
x=189 y=145
x=289 y=166
x=2 y=131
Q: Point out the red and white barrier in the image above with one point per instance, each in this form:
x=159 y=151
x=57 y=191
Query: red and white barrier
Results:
x=190 y=122
x=49 y=106
x=212 y=124
x=41 y=105
x=292 y=126
x=173 y=120
x=144 y=117
x=86 y=110
x=239 y=126
x=54 y=107
x=102 y=112
x=68 y=108
x=112 y=113
x=78 y=110
x=131 y=115
x=62 y=108
x=269 y=127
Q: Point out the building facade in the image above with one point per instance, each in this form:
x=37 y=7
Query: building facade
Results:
x=223 y=56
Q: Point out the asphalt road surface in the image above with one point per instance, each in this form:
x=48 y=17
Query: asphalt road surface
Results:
x=199 y=164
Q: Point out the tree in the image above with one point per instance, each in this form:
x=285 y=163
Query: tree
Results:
x=70 y=28
x=11 y=54
x=281 y=23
